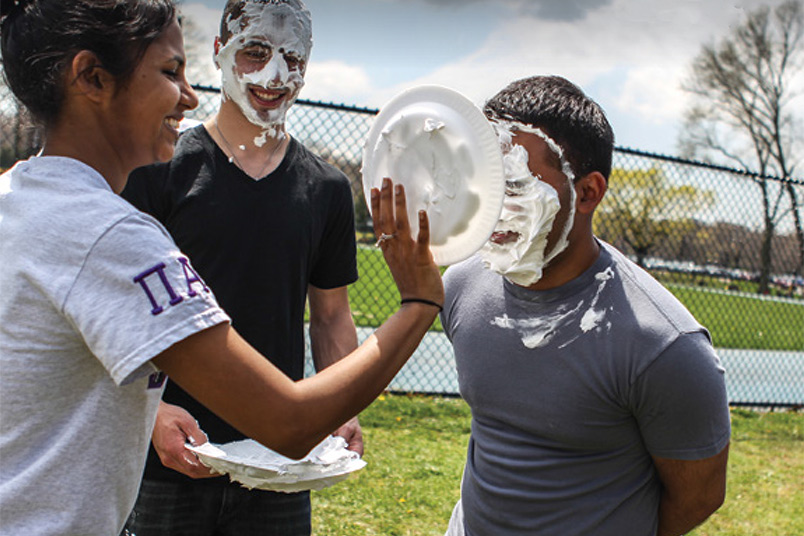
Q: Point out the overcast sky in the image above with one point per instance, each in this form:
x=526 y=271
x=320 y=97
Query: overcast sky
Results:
x=629 y=55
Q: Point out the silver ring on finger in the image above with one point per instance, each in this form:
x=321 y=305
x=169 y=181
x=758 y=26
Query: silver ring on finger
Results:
x=383 y=238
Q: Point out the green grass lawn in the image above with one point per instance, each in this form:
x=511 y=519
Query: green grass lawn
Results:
x=374 y=296
x=765 y=494
x=415 y=449
x=735 y=320
x=742 y=321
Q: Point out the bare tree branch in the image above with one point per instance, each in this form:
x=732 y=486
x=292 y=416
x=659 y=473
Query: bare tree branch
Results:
x=741 y=110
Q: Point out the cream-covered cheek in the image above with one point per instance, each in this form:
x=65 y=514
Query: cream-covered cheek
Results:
x=518 y=246
x=526 y=221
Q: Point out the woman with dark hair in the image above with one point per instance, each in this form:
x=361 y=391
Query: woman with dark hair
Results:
x=96 y=302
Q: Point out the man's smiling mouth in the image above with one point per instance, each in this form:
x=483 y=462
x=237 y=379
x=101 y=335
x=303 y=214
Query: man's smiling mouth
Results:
x=267 y=96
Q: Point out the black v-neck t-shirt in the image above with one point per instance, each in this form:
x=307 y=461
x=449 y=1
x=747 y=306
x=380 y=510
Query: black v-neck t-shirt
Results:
x=256 y=243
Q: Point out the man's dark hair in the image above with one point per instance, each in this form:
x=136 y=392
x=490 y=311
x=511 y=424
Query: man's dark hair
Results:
x=565 y=113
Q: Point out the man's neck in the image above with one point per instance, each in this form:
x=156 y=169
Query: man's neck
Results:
x=244 y=135
x=569 y=264
x=248 y=146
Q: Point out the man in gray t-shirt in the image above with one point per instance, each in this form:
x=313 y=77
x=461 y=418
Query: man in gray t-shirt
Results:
x=598 y=403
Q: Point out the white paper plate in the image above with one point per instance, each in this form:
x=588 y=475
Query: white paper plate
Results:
x=442 y=148
x=255 y=466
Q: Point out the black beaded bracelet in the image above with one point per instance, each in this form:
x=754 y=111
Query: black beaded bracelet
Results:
x=422 y=300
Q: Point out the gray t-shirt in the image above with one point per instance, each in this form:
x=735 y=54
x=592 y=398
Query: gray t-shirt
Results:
x=572 y=391
x=90 y=291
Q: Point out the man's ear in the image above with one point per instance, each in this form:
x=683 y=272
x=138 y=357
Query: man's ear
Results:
x=218 y=46
x=89 y=78
x=590 y=189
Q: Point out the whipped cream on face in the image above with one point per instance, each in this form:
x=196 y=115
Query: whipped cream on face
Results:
x=529 y=210
x=285 y=29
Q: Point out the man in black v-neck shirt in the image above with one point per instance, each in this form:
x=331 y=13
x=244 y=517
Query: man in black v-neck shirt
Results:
x=267 y=225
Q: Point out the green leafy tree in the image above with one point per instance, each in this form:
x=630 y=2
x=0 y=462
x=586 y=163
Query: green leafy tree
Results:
x=745 y=111
x=642 y=209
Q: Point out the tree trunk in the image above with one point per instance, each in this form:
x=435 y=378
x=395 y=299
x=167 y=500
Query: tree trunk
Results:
x=798 y=225
x=765 y=258
x=767 y=241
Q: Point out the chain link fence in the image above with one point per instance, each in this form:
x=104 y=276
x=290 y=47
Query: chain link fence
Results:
x=727 y=243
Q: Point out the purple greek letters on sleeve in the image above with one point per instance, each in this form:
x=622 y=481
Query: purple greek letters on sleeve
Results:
x=156 y=380
x=190 y=276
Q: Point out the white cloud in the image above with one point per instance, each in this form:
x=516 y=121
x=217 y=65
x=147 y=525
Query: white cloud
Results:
x=653 y=93
x=631 y=55
x=635 y=53
x=336 y=81
x=549 y=9
x=517 y=49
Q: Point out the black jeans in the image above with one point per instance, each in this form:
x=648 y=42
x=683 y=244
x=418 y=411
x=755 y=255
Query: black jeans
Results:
x=217 y=508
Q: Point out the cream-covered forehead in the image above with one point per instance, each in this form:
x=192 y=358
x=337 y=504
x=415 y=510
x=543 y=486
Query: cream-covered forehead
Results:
x=507 y=129
x=261 y=18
